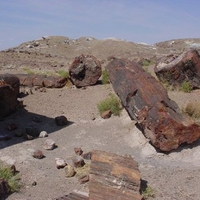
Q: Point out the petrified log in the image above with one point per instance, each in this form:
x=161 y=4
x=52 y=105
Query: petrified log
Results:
x=147 y=102
x=178 y=69
x=113 y=177
x=9 y=90
x=85 y=70
x=31 y=80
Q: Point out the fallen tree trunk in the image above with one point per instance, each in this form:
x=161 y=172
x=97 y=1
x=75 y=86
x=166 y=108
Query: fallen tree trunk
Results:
x=147 y=102
x=113 y=177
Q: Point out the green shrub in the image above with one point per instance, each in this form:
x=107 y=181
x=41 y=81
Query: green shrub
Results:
x=148 y=192
x=186 y=87
x=28 y=71
x=7 y=174
x=111 y=103
x=105 y=77
x=63 y=73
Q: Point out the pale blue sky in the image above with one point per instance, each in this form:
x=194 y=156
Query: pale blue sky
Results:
x=148 y=21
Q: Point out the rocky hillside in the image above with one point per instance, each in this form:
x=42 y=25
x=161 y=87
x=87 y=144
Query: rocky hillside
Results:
x=57 y=52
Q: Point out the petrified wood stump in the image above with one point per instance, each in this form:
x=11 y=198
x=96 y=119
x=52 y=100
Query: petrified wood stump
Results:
x=113 y=177
x=147 y=102
x=176 y=70
x=9 y=90
x=85 y=70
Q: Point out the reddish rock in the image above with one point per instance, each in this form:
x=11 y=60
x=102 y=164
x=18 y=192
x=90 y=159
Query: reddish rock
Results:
x=54 y=82
x=85 y=70
x=176 y=70
x=147 y=102
x=78 y=151
x=38 y=154
x=78 y=161
x=83 y=179
x=106 y=114
x=61 y=120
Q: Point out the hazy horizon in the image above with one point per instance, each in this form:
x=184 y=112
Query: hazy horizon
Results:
x=131 y=20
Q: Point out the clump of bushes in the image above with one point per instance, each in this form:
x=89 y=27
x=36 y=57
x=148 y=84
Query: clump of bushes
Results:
x=6 y=173
x=148 y=192
x=105 y=77
x=193 y=110
x=186 y=87
x=111 y=103
x=63 y=73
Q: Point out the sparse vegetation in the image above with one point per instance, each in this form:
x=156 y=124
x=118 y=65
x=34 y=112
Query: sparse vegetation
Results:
x=186 y=87
x=148 y=192
x=105 y=77
x=147 y=62
x=63 y=73
x=193 y=110
x=111 y=103
x=7 y=174
x=28 y=71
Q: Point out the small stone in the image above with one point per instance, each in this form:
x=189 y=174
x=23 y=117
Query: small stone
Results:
x=61 y=120
x=106 y=114
x=32 y=131
x=43 y=134
x=12 y=127
x=34 y=183
x=69 y=171
x=78 y=151
x=19 y=132
x=49 y=144
x=87 y=156
x=84 y=179
x=38 y=154
x=78 y=161
x=60 y=163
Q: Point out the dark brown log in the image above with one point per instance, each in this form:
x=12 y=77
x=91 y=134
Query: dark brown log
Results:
x=177 y=70
x=113 y=177
x=9 y=90
x=147 y=102
x=85 y=70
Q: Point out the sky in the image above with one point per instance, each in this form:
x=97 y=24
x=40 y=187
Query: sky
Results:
x=147 y=21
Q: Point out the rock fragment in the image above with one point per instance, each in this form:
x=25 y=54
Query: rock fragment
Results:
x=49 y=144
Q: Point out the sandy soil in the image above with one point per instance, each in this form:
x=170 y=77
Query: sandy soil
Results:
x=171 y=176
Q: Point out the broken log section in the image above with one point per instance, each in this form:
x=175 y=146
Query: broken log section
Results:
x=147 y=102
x=113 y=177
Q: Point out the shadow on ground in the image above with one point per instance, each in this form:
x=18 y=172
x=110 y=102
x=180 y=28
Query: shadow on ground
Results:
x=23 y=119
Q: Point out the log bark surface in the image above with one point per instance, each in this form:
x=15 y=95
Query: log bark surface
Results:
x=9 y=90
x=176 y=70
x=113 y=177
x=147 y=102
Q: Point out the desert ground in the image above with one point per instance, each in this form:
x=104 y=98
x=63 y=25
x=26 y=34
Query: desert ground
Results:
x=171 y=176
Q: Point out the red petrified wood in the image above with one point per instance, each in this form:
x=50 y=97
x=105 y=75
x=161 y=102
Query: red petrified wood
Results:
x=113 y=177
x=177 y=70
x=147 y=102
x=85 y=70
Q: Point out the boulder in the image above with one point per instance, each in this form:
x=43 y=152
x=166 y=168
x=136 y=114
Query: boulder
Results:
x=147 y=102
x=175 y=70
x=9 y=90
x=85 y=70
x=4 y=187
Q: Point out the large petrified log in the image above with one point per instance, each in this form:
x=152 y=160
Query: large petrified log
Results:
x=147 y=102
x=176 y=70
x=113 y=177
x=9 y=90
x=31 y=80
x=85 y=70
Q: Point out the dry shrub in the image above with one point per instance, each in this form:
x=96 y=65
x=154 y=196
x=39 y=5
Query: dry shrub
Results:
x=193 y=110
